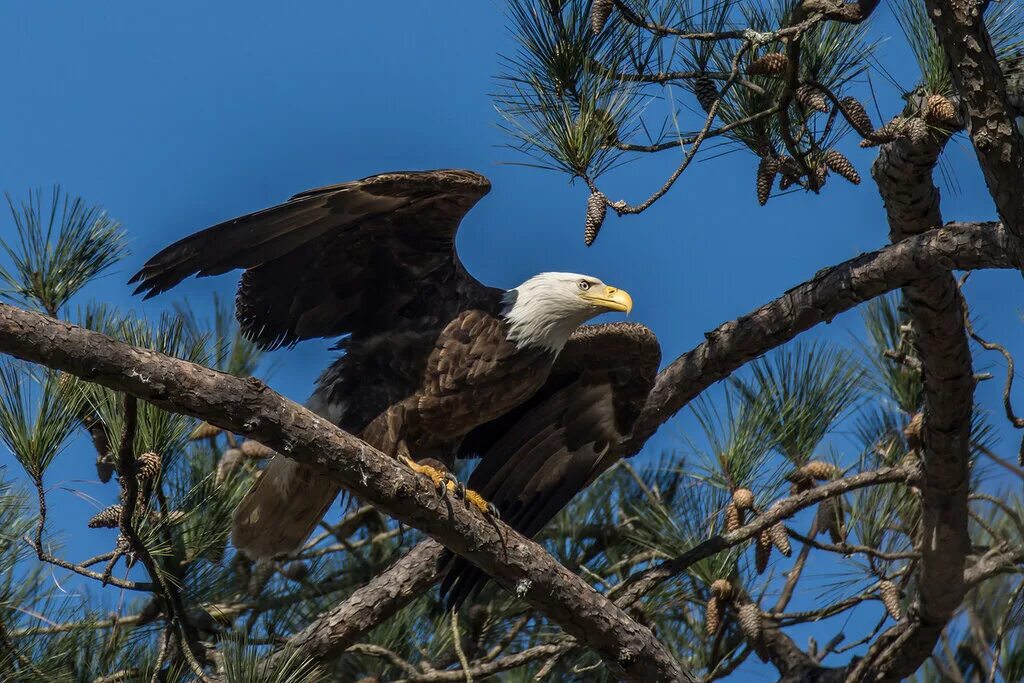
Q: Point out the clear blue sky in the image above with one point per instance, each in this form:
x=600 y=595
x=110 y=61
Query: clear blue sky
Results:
x=174 y=116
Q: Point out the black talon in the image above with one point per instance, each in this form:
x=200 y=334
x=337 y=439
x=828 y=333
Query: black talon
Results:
x=493 y=510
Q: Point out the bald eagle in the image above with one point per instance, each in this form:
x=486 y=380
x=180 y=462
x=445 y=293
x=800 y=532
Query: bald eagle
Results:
x=434 y=364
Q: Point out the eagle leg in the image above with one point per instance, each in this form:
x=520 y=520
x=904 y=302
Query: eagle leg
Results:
x=445 y=482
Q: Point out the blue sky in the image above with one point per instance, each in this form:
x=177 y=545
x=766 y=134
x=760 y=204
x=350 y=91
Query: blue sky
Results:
x=179 y=115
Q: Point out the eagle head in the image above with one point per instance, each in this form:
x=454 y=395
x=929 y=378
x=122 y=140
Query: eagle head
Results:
x=546 y=309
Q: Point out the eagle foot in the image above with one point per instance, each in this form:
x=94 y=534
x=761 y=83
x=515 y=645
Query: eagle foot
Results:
x=476 y=500
x=444 y=482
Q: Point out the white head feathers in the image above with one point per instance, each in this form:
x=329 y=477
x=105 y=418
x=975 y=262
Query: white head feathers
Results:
x=546 y=309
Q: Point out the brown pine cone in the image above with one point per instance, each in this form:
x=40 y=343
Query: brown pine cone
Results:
x=733 y=518
x=721 y=589
x=820 y=470
x=600 y=10
x=713 y=616
x=762 y=551
x=107 y=518
x=147 y=466
x=229 y=464
x=766 y=170
x=597 y=208
x=780 y=538
x=837 y=162
x=750 y=621
x=706 y=93
x=890 y=595
x=255 y=450
x=811 y=97
x=743 y=499
x=940 y=109
x=856 y=115
x=887 y=133
x=771 y=64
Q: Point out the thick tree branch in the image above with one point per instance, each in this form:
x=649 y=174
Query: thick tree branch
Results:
x=903 y=173
x=957 y=246
x=334 y=631
x=964 y=246
x=978 y=78
x=248 y=407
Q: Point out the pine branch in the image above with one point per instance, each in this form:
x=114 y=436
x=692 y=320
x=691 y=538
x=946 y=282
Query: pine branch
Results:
x=250 y=408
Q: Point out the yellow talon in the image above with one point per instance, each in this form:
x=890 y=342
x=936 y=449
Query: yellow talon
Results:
x=443 y=481
x=477 y=501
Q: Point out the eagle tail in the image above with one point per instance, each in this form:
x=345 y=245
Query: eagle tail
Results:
x=281 y=510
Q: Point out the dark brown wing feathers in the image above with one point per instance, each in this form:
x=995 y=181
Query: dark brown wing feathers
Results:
x=536 y=459
x=348 y=258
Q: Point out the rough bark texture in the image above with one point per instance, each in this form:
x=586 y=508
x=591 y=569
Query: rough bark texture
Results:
x=248 y=407
x=979 y=81
x=332 y=632
x=903 y=172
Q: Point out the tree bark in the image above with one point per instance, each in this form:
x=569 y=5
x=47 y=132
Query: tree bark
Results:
x=903 y=172
x=978 y=78
x=249 y=407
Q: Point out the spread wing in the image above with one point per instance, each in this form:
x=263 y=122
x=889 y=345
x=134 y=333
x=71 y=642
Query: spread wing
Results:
x=536 y=458
x=346 y=258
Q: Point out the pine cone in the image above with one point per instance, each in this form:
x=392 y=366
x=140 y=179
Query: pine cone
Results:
x=769 y=65
x=706 y=92
x=830 y=519
x=229 y=464
x=743 y=499
x=887 y=133
x=721 y=589
x=890 y=595
x=599 y=13
x=780 y=538
x=916 y=130
x=841 y=165
x=147 y=466
x=750 y=621
x=597 y=208
x=255 y=450
x=296 y=570
x=811 y=97
x=820 y=470
x=733 y=518
x=105 y=467
x=939 y=108
x=107 y=518
x=204 y=430
x=713 y=616
x=766 y=170
x=856 y=115
x=762 y=551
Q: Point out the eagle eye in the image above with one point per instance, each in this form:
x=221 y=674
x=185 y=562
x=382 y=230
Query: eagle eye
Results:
x=584 y=285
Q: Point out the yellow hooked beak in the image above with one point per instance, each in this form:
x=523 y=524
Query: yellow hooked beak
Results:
x=609 y=297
